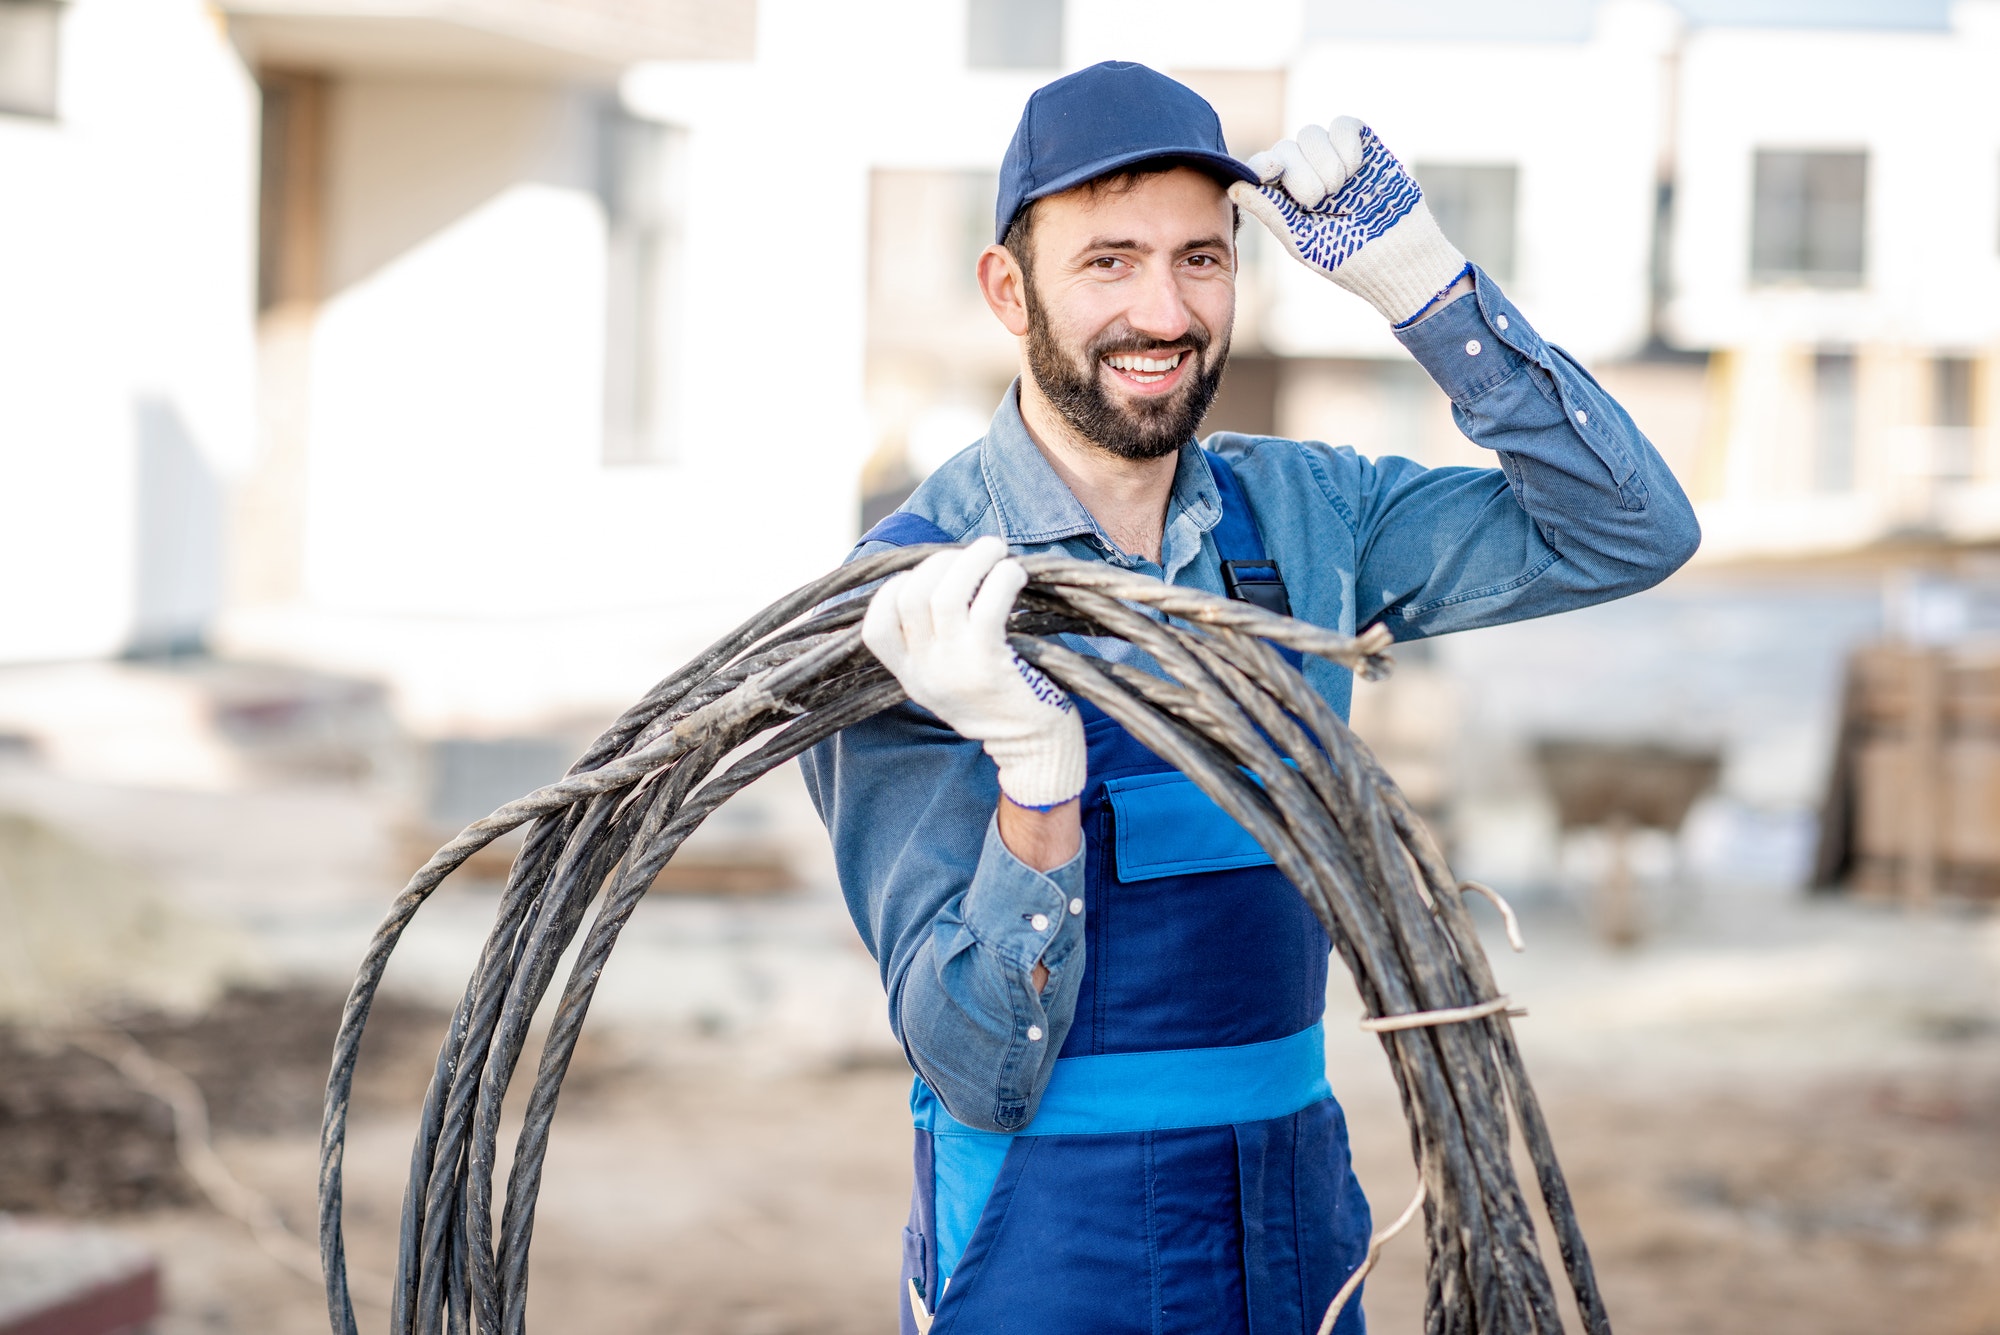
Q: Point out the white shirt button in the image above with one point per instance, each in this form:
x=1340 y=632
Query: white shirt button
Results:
x=1034 y=1033
x=1040 y=922
x=1582 y=416
x=1472 y=348
x=1075 y=907
x=1500 y=322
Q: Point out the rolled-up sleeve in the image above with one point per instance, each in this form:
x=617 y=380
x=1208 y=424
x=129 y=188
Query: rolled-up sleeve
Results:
x=1583 y=508
x=955 y=921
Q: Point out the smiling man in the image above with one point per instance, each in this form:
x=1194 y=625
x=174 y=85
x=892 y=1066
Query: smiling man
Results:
x=1111 y=999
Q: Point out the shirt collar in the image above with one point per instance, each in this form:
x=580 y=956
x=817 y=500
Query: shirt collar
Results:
x=1035 y=505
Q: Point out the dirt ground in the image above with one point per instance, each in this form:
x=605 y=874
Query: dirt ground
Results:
x=690 y=1193
x=1777 y=1115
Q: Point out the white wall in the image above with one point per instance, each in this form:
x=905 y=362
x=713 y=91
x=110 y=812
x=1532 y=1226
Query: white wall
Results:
x=463 y=537
x=1923 y=106
x=126 y=260
x=454 y=381
x=1185 y=34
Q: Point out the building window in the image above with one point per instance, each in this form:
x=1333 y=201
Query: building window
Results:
x=1474 y=206
x=1809 y=218
x=1833 y=421
x=1951 y=391
x=1014 y=34
x=636 y=182
x=1953 y=446
x=29 y=33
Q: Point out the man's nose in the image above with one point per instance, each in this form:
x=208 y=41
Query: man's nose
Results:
x=1159 y=310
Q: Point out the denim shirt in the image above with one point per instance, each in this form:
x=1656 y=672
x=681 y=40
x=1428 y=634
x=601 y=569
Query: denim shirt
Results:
x=1580 y=510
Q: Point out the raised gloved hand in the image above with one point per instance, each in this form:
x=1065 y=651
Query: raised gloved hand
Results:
x=942 y=629
x=1344 y=206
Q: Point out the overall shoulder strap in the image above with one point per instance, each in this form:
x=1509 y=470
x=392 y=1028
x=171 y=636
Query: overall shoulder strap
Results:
x=1235 y=534
x=1247 y=574
x=903 y=529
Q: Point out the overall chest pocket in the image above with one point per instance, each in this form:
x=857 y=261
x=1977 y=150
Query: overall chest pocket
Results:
x=1165 y=826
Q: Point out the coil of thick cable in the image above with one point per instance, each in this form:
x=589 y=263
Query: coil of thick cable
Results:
x=1229 y=711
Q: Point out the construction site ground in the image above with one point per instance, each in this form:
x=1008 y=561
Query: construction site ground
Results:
x=1777 y=1114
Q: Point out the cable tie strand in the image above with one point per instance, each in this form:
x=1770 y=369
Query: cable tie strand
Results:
x=1368 y=1262
x=1384 y=1024
x=1514 y=937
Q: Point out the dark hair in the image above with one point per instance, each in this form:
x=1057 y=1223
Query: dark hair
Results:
x=1020 y=235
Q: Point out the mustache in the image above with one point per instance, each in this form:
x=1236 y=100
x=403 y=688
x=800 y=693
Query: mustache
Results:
x=1130 y=342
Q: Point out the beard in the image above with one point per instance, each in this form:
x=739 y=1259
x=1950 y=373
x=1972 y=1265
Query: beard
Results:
x=1146 y=429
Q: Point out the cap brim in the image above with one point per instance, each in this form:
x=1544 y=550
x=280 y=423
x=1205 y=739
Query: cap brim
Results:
x=1221 y=164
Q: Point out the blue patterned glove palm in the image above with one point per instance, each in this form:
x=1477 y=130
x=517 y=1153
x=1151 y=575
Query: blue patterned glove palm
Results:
x=1344 y=207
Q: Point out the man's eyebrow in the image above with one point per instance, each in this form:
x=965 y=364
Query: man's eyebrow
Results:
x=1098 y=243
x=1217 y=242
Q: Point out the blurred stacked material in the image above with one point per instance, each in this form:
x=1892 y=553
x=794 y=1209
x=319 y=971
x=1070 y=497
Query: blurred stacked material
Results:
x=58 y=1280
x=197 y=724
x=82 y=932
x=1912 y=808
x=1618 y=787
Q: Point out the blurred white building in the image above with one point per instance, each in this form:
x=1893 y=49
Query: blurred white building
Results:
x=506 y=350
x=1837 y=244
x=355 y=333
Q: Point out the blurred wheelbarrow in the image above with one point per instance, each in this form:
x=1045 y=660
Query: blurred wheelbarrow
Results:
x=1618 y=787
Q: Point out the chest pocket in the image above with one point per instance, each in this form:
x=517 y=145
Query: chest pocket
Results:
x=1165 y=826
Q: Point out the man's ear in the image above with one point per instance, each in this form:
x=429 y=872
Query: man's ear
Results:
x=1005 y=288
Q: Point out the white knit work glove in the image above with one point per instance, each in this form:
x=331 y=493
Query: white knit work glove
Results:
x=948 y=648
x=1345 y=207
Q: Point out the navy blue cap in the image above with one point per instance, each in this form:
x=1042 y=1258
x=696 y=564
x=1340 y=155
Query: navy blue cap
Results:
x=1098 y=120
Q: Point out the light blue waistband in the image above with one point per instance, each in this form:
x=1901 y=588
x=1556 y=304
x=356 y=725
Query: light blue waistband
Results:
x=1118 y=1092
x=1152 y=1091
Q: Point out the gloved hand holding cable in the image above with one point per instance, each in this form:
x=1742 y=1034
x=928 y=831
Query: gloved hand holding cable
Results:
x=1345 y=207
x=942 y=630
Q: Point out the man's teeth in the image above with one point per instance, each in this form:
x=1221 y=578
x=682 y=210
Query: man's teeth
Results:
x=1126 y=361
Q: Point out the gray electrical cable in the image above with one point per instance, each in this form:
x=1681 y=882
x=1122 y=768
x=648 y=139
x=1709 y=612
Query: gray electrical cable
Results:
x=1230 y=712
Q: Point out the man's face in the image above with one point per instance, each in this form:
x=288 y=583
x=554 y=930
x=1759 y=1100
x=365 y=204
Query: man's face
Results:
x=1131 y=295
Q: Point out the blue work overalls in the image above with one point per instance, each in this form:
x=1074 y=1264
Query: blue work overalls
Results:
x=1187 y=1171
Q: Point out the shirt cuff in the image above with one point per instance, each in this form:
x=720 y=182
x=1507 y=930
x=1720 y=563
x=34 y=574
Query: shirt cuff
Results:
x=1021 y=914
x=1473 y=344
